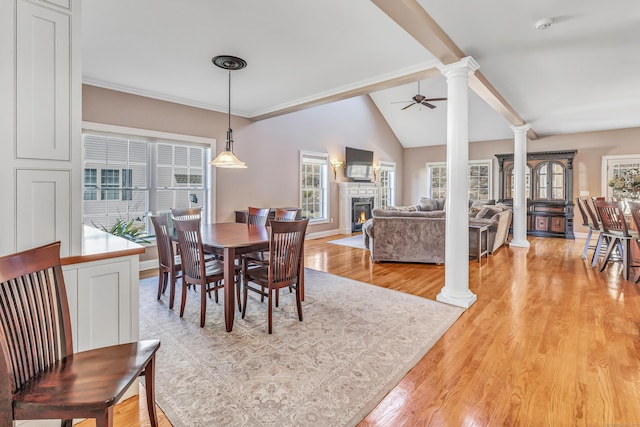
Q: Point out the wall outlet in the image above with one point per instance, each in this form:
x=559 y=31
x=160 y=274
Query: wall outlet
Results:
x=331 y=220
x=584 y=194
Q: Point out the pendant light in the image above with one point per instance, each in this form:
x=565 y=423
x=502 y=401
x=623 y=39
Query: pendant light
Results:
x=226 y=159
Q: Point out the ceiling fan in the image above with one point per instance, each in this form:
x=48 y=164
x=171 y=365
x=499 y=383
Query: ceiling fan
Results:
x=421 y=100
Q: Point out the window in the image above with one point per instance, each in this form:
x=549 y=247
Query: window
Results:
x=90 y=184
x=127 y=177
x=109 y=178
x=387 y=184
x=313 y=186
x=480 y=173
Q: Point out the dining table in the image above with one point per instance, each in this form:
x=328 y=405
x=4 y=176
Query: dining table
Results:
x=231 y=240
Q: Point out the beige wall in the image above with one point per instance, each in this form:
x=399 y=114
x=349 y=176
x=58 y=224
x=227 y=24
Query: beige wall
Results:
x=270 y=147
x=591 y=147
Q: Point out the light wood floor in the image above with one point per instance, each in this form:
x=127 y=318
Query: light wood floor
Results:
x=549 y=342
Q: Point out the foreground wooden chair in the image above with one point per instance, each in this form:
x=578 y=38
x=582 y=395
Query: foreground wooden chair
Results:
x=587 y=222
x=40 y=376
x=283 y=268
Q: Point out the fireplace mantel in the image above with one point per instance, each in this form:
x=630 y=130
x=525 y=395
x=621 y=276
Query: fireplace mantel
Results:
x=349 y=190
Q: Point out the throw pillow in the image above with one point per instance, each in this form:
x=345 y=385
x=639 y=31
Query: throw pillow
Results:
x=488 y=212
x=427 y=204
x=411 y=208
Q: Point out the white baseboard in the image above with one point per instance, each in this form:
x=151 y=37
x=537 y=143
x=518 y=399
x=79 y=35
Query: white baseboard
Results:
x=320 y=234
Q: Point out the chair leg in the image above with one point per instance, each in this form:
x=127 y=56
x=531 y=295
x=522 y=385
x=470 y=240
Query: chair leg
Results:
x=172 y=290
x=203 y=306
x=586 y=244
x=596 y=252
x=624 y=253
x=149 y=382
x=184 y=296
x=161 y=284
x=238 y=282
x=245 y=295
x=106 y=418
x=298 y=302
x=611 y=245
x=270 y=309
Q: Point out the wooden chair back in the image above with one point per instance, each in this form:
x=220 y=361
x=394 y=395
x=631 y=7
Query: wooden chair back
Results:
x=186 y=213
x=634 y=209
x=166 y=254
x=35 y=327
x=612 y=217
x=591 y=211
x=285 y=215
x=285 y=247
x=583 y=211
x=257 y=216
x=191 y=250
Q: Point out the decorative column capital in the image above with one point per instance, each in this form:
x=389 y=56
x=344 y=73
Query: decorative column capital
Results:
x=521 y=128
x=466 y=64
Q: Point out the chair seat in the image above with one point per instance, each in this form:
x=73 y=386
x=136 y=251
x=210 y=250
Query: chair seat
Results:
x=215 y=267
x=85 y=381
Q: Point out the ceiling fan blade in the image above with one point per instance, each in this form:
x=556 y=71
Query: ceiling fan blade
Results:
x=426 y=104
x=413 y=103
x=435 y=99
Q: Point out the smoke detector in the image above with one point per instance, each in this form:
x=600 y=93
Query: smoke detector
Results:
x=544 y=23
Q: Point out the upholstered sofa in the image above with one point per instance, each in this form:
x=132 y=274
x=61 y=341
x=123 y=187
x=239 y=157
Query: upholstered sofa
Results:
x=411 y=234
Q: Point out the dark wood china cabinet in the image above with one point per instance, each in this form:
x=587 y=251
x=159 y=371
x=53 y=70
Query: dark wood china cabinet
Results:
x=549 y=191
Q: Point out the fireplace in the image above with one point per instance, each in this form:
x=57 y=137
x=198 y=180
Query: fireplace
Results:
x=360 y=211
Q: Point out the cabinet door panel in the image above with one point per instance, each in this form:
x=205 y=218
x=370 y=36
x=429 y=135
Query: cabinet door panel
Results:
x=103 y=305
x=43 y=92
x=557 y=224
x=541 y=223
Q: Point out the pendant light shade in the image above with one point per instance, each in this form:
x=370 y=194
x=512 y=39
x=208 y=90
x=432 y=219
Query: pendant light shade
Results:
x=226 y=159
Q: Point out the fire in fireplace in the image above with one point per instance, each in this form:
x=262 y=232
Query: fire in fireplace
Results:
x=361 y=208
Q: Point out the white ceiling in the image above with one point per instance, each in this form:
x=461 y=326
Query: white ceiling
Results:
x=579 y=75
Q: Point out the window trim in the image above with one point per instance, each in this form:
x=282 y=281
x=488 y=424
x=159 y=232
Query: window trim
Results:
x=324 y=219
x=486 y=162
x=387 y=166
x=158 y=136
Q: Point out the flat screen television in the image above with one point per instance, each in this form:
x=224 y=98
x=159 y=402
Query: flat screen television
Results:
x=358 y=164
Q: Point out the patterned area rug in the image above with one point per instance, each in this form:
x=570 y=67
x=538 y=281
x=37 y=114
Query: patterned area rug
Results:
x=355 y=344
x=356 y=241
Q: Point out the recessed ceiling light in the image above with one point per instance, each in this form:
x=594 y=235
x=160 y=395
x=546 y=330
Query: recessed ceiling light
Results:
x=544 y=23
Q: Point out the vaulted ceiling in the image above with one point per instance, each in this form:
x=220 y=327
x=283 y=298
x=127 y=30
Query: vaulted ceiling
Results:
x=580 y=74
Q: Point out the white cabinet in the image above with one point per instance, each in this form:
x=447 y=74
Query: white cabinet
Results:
x=41 y=124
x=103 y=301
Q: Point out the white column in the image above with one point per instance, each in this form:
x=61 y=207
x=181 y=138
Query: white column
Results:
x=456 y=278
x=519 y=196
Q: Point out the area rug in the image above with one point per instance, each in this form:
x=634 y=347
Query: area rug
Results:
x=356 y=241
x=355 y=344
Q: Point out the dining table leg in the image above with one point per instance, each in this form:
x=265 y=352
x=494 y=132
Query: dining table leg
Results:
x=229 y=287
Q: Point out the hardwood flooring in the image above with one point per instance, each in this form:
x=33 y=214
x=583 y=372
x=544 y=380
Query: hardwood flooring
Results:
x=549 y=342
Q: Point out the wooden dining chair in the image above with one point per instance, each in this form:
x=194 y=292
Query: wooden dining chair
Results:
x=40 y=375
x=186 y=213
x=259 y=258
x=195 y=270
x=257 y=216
x=634 y=209
x=286 y=239
x=169 y=264
x=587 y=222
x=614 y=225
x=603 y=240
